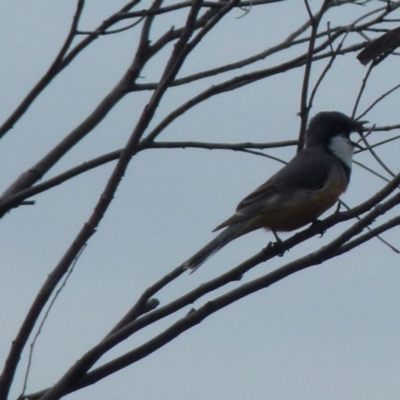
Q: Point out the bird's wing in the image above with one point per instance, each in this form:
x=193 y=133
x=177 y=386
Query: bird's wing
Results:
x=304 y=172
x=307 y=171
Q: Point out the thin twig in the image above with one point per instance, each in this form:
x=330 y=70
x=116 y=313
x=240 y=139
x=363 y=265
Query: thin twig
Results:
x=377 y=158
x=362 y=88
x=379 y=99
x=41 y=324
x=304 y=104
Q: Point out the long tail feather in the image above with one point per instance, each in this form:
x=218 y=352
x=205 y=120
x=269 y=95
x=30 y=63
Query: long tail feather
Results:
x=228 y=234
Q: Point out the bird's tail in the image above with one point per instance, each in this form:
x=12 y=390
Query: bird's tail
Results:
x=228 y=234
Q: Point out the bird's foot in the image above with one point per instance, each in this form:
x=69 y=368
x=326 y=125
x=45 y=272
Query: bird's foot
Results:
x=317 y=224
x=278 y=245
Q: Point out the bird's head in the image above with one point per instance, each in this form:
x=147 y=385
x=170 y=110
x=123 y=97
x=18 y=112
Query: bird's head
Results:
x=331 y=131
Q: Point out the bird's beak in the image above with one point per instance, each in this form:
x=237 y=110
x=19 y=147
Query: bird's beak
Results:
x=359 y=127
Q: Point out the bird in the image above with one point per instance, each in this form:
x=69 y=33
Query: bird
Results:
x=298 y=193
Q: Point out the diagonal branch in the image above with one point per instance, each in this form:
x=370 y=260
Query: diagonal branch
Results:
x=62 y=267
x=62 y=60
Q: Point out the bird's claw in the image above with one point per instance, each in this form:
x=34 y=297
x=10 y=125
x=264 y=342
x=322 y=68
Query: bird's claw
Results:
x=277 y=246
x=317 y=224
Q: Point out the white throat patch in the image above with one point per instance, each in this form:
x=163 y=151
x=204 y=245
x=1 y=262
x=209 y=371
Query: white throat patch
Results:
x=342 y=148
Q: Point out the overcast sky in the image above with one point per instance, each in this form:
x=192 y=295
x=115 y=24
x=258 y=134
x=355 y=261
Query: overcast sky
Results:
x=329 y=332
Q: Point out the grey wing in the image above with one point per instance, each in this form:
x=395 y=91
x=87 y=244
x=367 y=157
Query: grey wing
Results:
x=308 y=170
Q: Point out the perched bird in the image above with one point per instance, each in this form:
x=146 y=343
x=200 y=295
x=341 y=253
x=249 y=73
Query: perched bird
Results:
x=300 y=192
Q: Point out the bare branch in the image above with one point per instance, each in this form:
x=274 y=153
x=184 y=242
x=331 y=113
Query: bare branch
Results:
x=304 y=110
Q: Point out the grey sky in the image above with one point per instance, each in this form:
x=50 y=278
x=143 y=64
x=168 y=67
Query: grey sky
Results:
x=329 y=332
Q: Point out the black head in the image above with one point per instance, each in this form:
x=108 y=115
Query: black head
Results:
x=328 y=124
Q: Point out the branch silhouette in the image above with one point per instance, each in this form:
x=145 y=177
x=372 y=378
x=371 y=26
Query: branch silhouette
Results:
x=313 y=47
